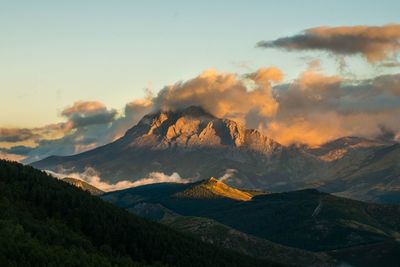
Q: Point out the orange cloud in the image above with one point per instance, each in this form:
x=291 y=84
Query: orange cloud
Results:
x=266 y=75
x=316 y=108
x=225 y=95
x=83 y=107
x=305 y=131
x=11 y=157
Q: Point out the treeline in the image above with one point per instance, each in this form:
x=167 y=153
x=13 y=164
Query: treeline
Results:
x=47 y=222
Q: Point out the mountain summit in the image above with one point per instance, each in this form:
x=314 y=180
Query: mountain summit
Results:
x=193 y=127
x=189 y=141
x=198 y=145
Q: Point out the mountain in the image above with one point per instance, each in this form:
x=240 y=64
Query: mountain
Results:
x=306 y=219
x=366 y=170
x=197 y=145
x=83 y=185
x=339 y=148
x=47 y=222
x=220 y=196
x=224 y=236
x=213 y=188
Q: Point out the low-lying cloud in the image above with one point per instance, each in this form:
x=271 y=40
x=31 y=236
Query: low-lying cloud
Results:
x=375 y=43
x=93 y=177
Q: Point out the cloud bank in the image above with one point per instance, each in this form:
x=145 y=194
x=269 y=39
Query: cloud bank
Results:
x=93 y=177
x=316 y=108
x=312 y=109
x=88 y=124
x=375 y=43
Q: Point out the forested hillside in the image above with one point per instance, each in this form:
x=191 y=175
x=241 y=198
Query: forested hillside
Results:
x=47 y=222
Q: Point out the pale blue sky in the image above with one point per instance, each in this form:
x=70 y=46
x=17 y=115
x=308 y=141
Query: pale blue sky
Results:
x=53 y=53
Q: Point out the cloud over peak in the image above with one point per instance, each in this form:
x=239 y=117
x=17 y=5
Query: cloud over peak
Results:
x=375 y=43
x=225 y=95
x=312 y=109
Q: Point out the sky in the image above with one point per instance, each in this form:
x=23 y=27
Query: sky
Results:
x=55 y=55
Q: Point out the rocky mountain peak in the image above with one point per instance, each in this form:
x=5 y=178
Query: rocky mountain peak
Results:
x=193 y=127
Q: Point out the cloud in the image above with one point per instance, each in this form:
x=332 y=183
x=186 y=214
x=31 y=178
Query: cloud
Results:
x=22 y=136
x=312 y=109
x=316 y=108
x=19 y=150
x=10 y=156
x=225 y=95
x=85 y=122
x=229 y=173
x=375 y=43
x=133 y=112
x=91 y=124
x=266 y=75
x=84 y=113
x=386 y=134
x=88 y=124
x=159 y=177
x=16 y=153
x=93 y=177
x=16 y=135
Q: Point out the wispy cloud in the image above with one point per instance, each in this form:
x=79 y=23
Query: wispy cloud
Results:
x=229 y=174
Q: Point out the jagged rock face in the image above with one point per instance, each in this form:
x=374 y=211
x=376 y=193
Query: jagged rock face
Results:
x=195 y=144
x=194 y=128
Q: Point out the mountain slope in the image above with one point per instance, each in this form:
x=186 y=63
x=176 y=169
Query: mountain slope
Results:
x=193 y=143
x=213 y=188
x=370 y=173
x=218 y=234
x=83 y=185
x=305 y=219
x=197 y=145
x=209 y=230
x=46 y=222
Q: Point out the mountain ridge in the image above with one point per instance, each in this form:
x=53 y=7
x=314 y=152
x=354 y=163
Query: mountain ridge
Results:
x=85 y=186
x=47 y=222
x=198 y=145
x=192 y=143
x=213 y=188
x=305 y=219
